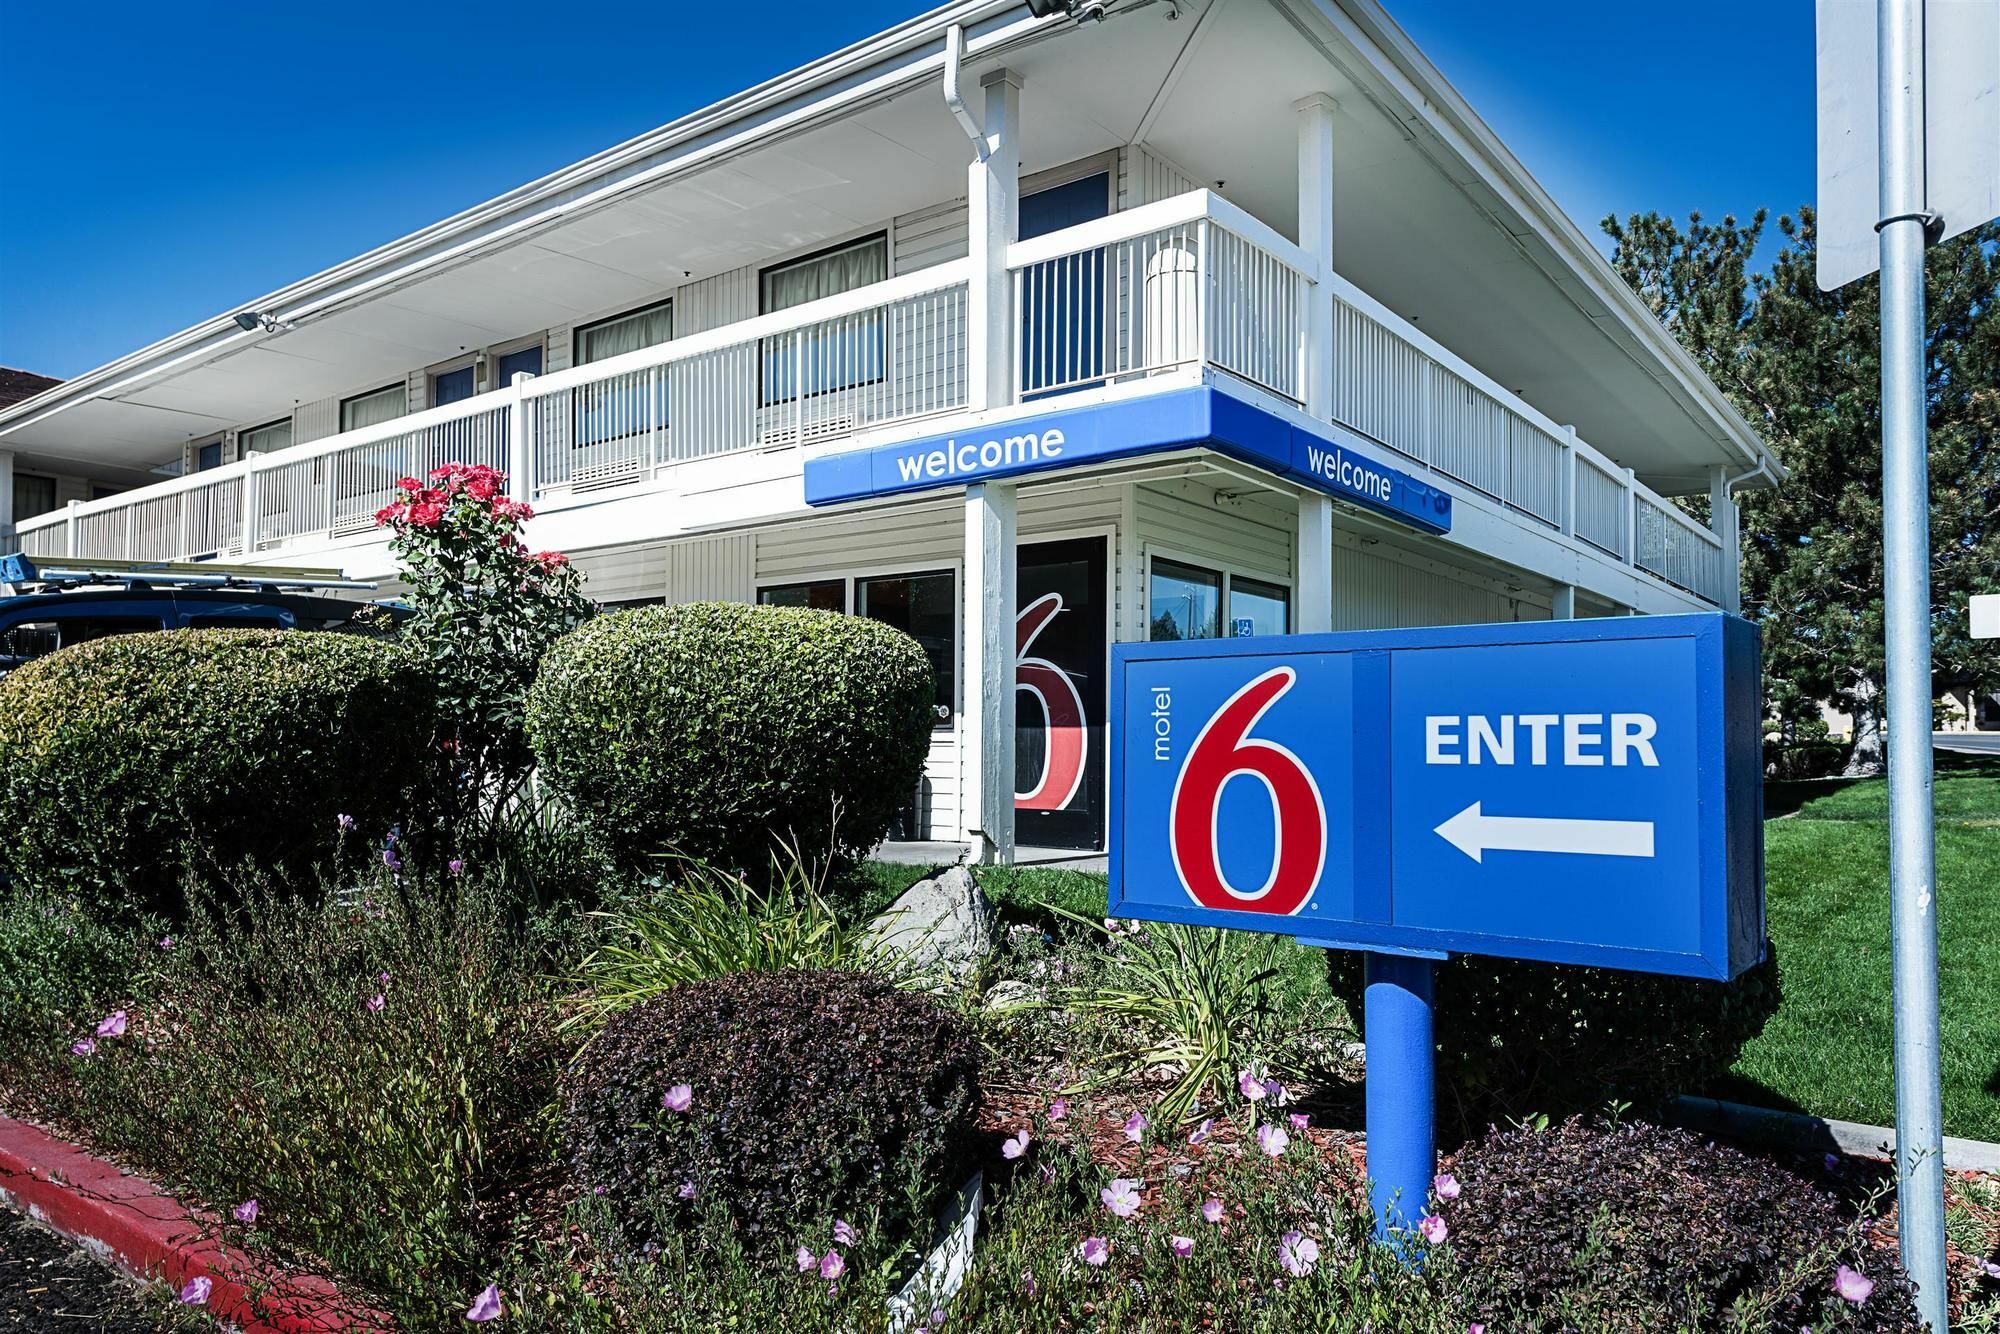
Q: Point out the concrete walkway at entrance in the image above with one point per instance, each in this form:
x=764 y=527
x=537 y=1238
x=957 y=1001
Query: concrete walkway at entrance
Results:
x=948 y=854
x=1968 y=743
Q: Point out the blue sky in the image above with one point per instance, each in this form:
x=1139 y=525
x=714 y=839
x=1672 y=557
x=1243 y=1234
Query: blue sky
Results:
x=168 y=162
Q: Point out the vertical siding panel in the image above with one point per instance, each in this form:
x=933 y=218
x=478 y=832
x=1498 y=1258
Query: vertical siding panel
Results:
x=316 y=420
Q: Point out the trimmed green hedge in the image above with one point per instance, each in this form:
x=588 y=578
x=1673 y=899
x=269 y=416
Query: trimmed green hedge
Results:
x=712 y=730
x=123 y=760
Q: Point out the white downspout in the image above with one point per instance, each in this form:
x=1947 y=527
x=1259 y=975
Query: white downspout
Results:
x=954 y=59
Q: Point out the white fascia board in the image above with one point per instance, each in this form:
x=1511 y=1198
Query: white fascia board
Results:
x=1422 y=95
x=868 y=71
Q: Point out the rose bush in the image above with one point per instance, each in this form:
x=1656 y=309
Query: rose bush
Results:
x=486 y=609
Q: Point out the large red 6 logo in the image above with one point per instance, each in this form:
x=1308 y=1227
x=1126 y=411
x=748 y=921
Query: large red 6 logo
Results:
x=1223 y=750
x=1063 y=751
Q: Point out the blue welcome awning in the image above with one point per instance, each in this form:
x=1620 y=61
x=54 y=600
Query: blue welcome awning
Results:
x=1314 y=455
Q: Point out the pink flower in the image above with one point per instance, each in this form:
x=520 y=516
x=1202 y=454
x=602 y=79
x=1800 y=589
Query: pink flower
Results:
x=166 y=942
x=1988 y=1268
x=1181 y=1246
x=1433 y=1229
x=1298 y=1253
x=375 y=1003
x=1298 y=1120
x=382 y=980
x=1272 y=1140
x=345 y=823
x=1250 y=1086
x=197 y=1290
x=1199 y=1134
x=1446 y=1186
x=843 y=1232
x=1852 y=1285
x=1015 y=1146
x=1095 y=1250
x=1059 y=1109
x=1475 y=1328
x=832 y=1265
x=1211 y=1209
x=1275 y=1092
x=937 y=1317
x=686 y=1191
x=678 y=1098
x=1121 y=1197
x=486 y=1306
x=113 y=1027
x=455 y=866
x=1135 y=1127
x=807 y=1261
x=245 y=1212
x=83 y=1047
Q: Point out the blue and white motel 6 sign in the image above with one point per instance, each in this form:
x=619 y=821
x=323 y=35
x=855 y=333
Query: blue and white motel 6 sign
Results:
x=1586 y=792
x=1571 y=791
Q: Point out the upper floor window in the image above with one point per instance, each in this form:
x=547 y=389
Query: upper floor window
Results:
x=208 y=456
x=374 y=407
x=266 y=439
x=33 y=495
x=837 y=354
x=624 y=405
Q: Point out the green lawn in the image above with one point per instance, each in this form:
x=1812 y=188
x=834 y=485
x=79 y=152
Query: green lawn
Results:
x=1829 y=1049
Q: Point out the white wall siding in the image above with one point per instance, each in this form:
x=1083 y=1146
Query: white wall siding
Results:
x=316 y=420
x=1150 y=177
x=1379 y=588
x=417 y=384
x=1247 y=538
x=701 y=569
x=714 y=302
x=934 y=235
x=559 y=349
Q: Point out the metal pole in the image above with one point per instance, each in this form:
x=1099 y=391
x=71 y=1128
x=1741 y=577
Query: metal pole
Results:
x=1907 y=599
x=1400 y=1091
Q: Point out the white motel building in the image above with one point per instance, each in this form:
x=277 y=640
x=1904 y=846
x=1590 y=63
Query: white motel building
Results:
x=1024 y=331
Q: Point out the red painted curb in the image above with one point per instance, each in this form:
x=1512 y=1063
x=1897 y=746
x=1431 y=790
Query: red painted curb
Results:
x=131 y=1223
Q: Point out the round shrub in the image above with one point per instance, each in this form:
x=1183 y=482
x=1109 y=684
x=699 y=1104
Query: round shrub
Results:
x=812 y=1094
x=713 y=730
x=1638 y=1228
x=123 y=760
x=1517 y=1038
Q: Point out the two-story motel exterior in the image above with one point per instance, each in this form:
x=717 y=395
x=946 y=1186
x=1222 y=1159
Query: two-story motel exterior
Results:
x=1026 y=334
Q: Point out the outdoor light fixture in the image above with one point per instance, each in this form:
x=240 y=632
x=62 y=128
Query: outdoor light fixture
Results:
x=250 y=321
x=1083 y=11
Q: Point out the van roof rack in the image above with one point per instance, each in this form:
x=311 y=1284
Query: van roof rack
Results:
x=49 y=573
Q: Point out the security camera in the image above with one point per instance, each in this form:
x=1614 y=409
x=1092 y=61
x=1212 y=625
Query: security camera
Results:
x=1083 y=11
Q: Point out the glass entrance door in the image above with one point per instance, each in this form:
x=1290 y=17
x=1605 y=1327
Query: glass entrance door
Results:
x=1061 y=662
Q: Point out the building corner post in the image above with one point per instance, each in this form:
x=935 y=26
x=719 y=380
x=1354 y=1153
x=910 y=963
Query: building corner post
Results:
x=993 y=195
x=1313 y=568
x=520 y=454
x=1315 y=112
x=987 y=811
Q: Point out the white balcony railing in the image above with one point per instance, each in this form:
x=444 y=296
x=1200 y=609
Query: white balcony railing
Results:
x=1403 y=389
x=1189 y=282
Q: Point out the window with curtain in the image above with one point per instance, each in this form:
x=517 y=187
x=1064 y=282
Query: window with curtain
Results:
x=267 y=439
x=33 y=495
x=618 y=407
x=374 y=407
x=837 y=354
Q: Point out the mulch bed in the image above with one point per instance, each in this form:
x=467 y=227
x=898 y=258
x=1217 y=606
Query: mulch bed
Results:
x=48 y=1283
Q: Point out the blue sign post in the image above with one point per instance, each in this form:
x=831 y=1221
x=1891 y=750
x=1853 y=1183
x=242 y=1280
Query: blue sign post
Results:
x=1585 y=792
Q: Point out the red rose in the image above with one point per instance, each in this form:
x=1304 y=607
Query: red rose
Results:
x=426 y=515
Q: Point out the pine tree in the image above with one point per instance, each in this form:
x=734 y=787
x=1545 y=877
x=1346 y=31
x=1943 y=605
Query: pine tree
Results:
x=1804 y=367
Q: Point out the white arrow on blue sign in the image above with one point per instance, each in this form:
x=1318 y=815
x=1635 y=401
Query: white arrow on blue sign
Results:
x=1572 y=791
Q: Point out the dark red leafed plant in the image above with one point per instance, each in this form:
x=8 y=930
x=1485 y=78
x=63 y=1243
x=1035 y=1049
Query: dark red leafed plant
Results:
x=487 y=608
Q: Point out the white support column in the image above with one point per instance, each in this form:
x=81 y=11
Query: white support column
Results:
x=69 y=528
x=1565 y=603
x=520 y=449
x=987 y=801
x=247 y=538
x=993 y=221
x=1316 y=239
x=7 y=540
x=1567 y=503
x=1313 y=565
x=1726 y=523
